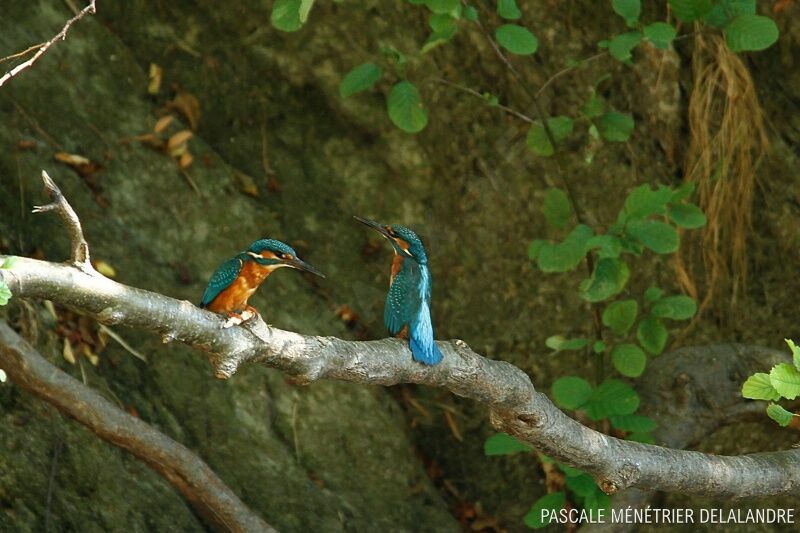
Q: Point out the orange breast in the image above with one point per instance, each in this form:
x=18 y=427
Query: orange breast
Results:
x=234 y=297
x=397 y=264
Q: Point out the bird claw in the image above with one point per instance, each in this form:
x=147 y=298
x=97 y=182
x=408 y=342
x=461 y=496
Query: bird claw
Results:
x=236 y=319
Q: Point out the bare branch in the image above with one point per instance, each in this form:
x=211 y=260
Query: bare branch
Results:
x=42 y=48
x=188 y=473
x=80 y=248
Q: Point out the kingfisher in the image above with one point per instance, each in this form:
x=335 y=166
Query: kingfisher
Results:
x=407 y=313
x=235 y=281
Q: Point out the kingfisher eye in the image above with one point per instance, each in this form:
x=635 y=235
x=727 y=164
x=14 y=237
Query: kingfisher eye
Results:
x=287 y=256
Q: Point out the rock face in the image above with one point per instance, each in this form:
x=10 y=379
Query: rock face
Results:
x=277 y=153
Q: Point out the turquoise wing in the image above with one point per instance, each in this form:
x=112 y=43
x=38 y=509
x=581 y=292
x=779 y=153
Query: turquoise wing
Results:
x=404 y=298
x=221 y=280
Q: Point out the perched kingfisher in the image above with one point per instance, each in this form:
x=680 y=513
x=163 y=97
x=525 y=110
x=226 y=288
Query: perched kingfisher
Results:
x=407 y=312
x=238 y=278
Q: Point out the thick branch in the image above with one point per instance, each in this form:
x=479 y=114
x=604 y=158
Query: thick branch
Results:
x=514 y=405
x=189 y=474
x=42 y=48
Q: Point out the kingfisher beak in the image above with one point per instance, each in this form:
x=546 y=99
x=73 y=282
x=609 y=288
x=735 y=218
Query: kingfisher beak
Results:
x=374 y=225
x=302 y=265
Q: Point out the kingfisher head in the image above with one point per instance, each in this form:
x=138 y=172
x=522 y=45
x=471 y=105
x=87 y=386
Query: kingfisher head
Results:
x=404 y=241
x=275 y=254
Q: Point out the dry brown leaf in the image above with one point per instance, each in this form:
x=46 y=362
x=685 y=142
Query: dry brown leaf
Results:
x=155 y=74
x=68 y=353
x=104 y=268
x=185 y=160
x=187 y=105
x=26 y=144
x=163 y=123
x=82 y=165
x=247 y=184
x=179 y=138
x=152 y=141
x=93 y=358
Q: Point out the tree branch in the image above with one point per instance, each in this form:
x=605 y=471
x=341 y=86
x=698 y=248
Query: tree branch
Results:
x=514 y=405
x=213 y=500
x=42 y=48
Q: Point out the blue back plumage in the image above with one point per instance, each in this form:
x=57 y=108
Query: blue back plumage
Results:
x=272 y=245
x=222 y=278
x=408 y=303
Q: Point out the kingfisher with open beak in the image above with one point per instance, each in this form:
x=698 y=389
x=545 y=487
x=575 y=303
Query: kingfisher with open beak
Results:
x=407 y=312
x=235 y=281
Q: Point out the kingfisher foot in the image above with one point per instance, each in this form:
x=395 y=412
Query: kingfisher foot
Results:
x=234 y=319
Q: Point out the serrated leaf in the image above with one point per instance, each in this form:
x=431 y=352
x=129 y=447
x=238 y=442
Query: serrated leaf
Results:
x=785 y=379
x=560 y=343
x=552 y=502
x=557 y=209
x=608 y=279
x=593 y=107
x=621 y=46
x=405 y=108
x=759 y=387
x=644 y=201
x=610 y=398
x=620 y=315
x=359 y=79
x=652 y=334
x=504 y=444
x=567 y=254
x=779 y=414
x=660 y=34
x=633 y=423
x=571 y=392
x=795 y=352
x=645 y=438
x=680 y=307
x=508 y=9
x=658 y=236
x=516 y=39
x=751 y=33
x=606 y=245
x=616 y=127
x=627 y=9
x=687 y=216
x=629 y=360
x=690 y=10
x=725 y=10
x=582 y=485
x=286 y=15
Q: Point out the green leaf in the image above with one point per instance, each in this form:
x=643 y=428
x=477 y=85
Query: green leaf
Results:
x=759 y=387
x=616 y=127
x=5 y=293
x=641 y=437
x=305 y=9
x=679 y=307
x=537 y=139
x=683 y=192
x=534 y=249
x=516 y=39
x=607 y=245
x=633 y=423
x=643 y=202
x=552 y=502
x=470 y=13
x=751 y=33
x=570 y=471
x=444 y=6
x=560 y=343
x=593 y=107
x=621 y=46
x=725 y=10
x=359 y=79
x=567 y=254
x=652 y=334
x=653 y=294
x=9 y=262
x=658 y=236
x=596 y=501
x=792 y=346
x=599 y=347
x=620 y=315
x=557 y=209
x=504 y=444
x=627 y=9
x=286 y=15
x=405 y=108
x=785 y=379
x=690 y=10
x=582 y=485
x=610 y=398
x=629 y=360
x=571 y=392
x=779 y=414
x=660 y=34
x=508 y=9
x=687 y=216
x=608 y=279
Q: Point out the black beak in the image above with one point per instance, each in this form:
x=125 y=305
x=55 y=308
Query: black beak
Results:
x=374 y=225
x=302 y=265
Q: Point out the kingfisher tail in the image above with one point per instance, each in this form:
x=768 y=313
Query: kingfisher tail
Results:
x=421 y=341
